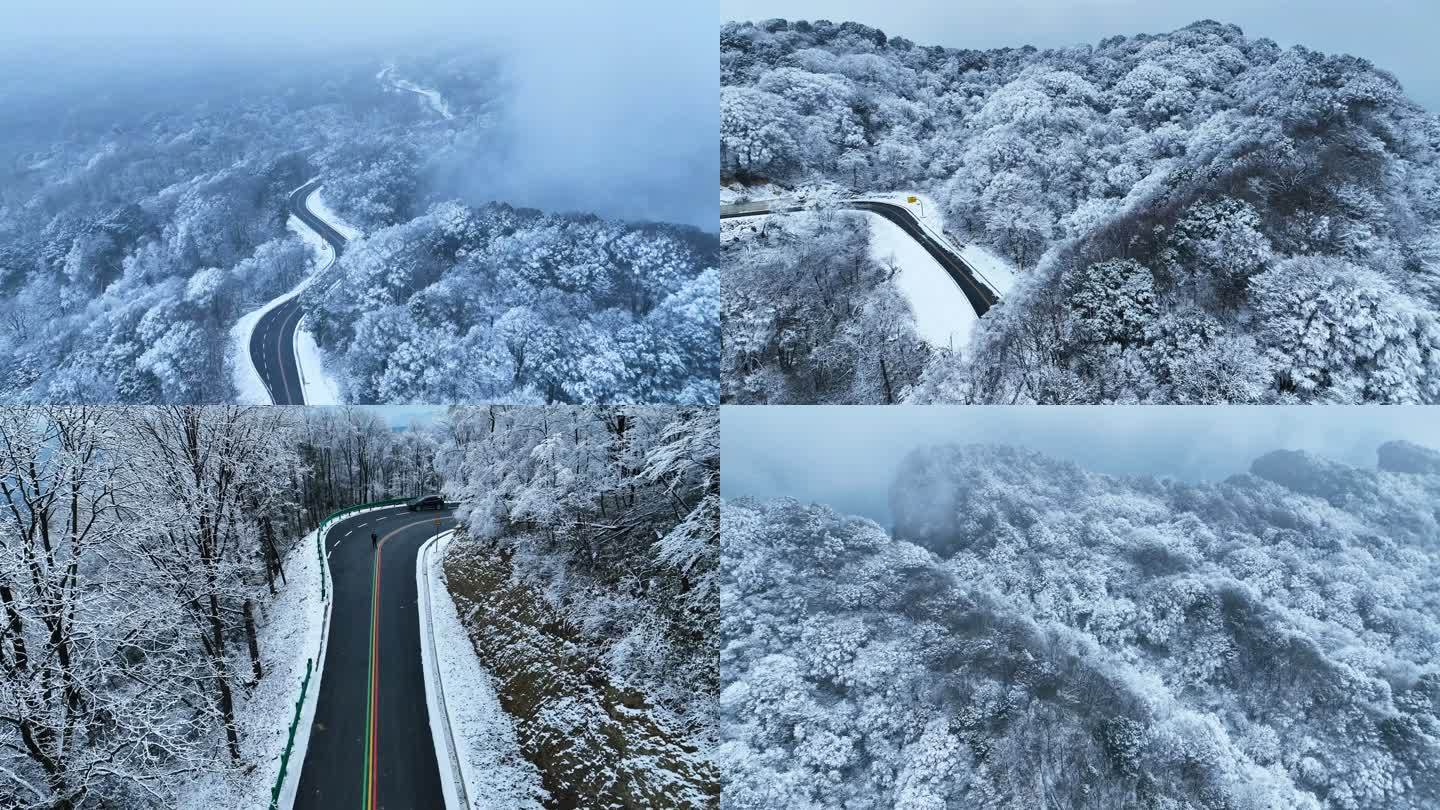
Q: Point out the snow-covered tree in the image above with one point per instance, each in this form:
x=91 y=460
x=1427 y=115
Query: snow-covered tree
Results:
x=1033 y=634
x=589 y=572
x=1211 y=158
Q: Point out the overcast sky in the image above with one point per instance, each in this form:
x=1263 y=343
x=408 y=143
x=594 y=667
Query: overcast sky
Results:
x=615 y=103
x=1397 y=35
x=847 y=456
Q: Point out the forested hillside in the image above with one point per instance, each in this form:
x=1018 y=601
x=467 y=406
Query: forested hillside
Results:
x=587 y=578
x=811 y=318
x=1035 y=635
x=1199 y=216
x=142 y=214
x=466 y=304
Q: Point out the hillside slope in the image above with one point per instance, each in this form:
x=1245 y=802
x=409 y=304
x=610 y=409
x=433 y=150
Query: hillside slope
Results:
x=1200 y=216
x=1035 y=635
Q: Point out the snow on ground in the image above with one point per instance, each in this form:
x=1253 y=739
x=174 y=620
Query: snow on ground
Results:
x=736 y=193
x=943 y=316
x=291 y=629
x=992 y=269
x=809 y=193
x=250 y=389
x=433 y=99
x=926 y=209
x=318 y=388
x=741 y=227
x=316 y=202
x=997 y=273
x=497 y=776
x=324 y=254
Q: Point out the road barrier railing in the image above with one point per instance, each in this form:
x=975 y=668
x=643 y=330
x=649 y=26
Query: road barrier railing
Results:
x=290 y=740
x=337 y=516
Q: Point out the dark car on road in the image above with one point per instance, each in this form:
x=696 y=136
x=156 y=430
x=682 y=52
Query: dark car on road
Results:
x=425 y=502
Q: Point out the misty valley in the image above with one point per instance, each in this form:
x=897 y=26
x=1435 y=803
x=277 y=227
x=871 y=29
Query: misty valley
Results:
x=148 y=238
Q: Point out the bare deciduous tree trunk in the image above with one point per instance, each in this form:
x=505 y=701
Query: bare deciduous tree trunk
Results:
x=252 y=640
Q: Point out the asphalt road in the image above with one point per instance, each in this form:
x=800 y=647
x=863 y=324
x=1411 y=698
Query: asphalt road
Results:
x=980 y=296
x=272 y=344
x=370 y=745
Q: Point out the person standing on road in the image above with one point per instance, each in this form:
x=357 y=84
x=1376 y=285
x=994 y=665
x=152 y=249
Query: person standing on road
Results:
x=374 y=541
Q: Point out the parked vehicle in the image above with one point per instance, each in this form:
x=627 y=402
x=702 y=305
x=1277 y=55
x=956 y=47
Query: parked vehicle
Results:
x=425 y=502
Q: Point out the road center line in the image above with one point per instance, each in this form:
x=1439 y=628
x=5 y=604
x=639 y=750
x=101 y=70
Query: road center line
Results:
x=372 y=720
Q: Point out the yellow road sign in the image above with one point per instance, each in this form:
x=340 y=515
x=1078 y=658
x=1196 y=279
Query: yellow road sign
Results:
x=912 y=199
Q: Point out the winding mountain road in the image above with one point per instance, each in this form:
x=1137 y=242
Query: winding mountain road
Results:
x=272 y=344
x=980 y=296
x=370 y=744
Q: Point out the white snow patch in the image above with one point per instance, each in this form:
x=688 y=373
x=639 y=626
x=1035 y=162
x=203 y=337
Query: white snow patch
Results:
x=432 y=98
x=496 y=775
x=995 y=271
x=318 y=387
x=739 y=228
x=736 y=193
x=324 y=253
x=809 y=195
x=943 y=315
x=292 y=628
x=249 y=388
x=316 y=203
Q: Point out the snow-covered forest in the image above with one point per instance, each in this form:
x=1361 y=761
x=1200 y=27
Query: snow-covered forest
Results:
x=155 y=572
x=1031 y=634
x=587 y=578
x=143 y=213
x=494 y=303
x=812 y=317
x=1198 y=216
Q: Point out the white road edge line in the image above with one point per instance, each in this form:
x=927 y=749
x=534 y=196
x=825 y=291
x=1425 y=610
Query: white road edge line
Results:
x=291 y=787
x=295 y=352
x=445 y=748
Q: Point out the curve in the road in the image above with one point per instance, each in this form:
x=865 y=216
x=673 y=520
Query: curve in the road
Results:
x=980 y=296
x=272 y=344
x=370 y=743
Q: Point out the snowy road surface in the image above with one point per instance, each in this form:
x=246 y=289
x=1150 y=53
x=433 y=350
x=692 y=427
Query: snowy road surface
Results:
x=272 y=343
x=370 y=743
x=980 y=296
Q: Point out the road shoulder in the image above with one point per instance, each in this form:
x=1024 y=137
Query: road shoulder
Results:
x=494 y=774
x=293 y=626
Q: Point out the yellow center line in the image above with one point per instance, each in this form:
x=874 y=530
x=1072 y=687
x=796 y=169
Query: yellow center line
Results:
x=367 y=801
